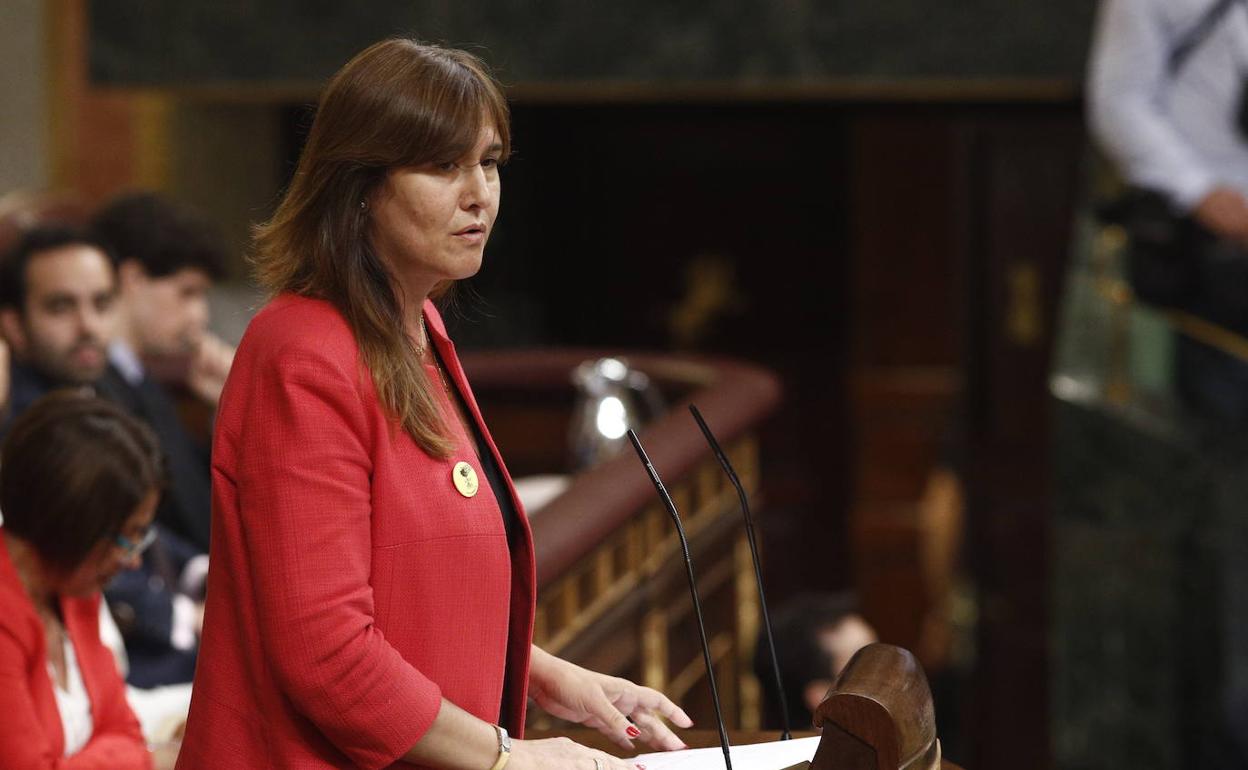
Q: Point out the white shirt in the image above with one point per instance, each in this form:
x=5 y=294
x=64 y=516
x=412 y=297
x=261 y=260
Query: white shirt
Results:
x=73 y=703
x=1173 y=134
x=126 y=362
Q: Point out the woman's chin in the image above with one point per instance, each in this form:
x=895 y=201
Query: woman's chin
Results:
x=468 y=267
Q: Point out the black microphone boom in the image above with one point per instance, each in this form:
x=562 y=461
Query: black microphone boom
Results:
x=758 y=571
x=693 y=590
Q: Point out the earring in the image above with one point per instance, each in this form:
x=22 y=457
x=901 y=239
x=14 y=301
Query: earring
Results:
x=363 y=205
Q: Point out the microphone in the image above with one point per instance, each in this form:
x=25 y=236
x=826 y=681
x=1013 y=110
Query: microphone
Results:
x=693 y=590
x=758 y=572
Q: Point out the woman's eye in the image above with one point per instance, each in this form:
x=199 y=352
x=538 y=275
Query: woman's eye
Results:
x=449 y=165
x=489 y=163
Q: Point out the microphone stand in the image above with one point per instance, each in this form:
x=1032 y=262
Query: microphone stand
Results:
x=693 y=590
x=758 y=571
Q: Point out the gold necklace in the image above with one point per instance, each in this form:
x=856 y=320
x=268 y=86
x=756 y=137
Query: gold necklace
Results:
x=424 y=334
x=441 y=375
x=420 y=353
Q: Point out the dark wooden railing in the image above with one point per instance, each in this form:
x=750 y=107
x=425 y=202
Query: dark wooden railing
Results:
x=611 y=586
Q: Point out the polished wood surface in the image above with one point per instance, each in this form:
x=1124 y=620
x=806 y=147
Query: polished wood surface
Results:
x=878 y=715
x=733 y=396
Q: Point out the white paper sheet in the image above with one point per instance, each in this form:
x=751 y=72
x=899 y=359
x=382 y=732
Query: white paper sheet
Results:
x=757 y=756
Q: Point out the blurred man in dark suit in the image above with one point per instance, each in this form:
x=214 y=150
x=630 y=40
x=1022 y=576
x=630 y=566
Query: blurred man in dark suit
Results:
x=167 y=259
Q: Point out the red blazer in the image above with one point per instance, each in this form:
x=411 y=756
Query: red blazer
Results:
x=30 y=725
x=352 y=586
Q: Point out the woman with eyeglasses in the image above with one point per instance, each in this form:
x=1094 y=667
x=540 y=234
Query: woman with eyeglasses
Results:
x=79 y=482
x=371 y=596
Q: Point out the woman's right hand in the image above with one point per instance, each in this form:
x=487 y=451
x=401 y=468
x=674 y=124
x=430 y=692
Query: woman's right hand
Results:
x=563 y=754
x=456 y=739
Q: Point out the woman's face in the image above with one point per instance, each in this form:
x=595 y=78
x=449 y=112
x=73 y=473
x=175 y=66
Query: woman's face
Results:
x=430 y=223
x=108 y=558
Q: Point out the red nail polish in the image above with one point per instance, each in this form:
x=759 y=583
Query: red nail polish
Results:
x=633 y=732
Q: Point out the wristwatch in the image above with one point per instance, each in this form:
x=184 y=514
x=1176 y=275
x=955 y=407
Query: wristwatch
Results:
x=504 y=748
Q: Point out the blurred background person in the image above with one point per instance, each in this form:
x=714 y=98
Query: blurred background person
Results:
x=58 y=307
x=57 y=312
x=1166 y=100
x=167 y=259
x=816 y=634
x=79 y=482
x=158 y=610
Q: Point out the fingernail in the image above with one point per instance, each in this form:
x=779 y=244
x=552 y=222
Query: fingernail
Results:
x=633 y=732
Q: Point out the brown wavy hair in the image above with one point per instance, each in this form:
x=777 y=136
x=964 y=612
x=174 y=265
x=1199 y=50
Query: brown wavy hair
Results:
x=397 y=103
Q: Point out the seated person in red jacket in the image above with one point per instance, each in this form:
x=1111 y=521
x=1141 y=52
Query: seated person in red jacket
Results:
x=79 y=482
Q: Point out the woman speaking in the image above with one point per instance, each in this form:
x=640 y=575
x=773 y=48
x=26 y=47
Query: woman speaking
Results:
x=372 y=587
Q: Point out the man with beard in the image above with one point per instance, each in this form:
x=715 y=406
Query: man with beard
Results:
x=57 y=313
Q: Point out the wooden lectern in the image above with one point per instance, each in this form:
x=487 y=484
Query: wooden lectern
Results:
x=878 y=715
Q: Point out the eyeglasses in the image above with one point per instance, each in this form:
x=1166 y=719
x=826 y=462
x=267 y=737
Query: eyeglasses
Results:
x=133 y=548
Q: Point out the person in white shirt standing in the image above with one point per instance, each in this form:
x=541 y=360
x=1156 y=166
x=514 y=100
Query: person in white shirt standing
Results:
x=1166 y=98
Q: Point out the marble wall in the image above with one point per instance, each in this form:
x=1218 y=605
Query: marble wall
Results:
x=1150 y=596
x=203 y=41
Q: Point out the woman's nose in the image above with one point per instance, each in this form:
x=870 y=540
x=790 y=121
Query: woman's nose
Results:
x=477 y=189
